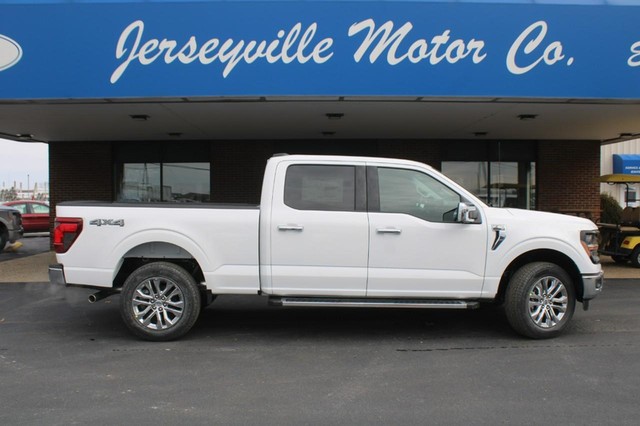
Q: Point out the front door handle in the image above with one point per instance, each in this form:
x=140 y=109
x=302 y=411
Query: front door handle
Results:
x=389 y=231
x=290 y=227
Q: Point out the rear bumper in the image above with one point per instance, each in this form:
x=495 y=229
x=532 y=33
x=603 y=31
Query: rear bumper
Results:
x=592 y=285
x=56 y=275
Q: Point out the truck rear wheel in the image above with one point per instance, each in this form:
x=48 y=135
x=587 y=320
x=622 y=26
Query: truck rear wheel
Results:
x=540 y=300
x=160 y=301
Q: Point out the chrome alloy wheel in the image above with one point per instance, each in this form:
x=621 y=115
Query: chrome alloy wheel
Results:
x=158 y=303
x=548 y=302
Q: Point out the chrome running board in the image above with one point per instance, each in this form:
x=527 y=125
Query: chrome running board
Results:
x=371 y=303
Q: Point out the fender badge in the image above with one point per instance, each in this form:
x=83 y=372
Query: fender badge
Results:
x=107 y=222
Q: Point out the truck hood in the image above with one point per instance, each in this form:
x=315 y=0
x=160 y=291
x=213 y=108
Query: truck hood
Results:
x=533 y=217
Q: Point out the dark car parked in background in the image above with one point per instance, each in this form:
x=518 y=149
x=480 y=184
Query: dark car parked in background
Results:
x=35 y=214
x=10 y=226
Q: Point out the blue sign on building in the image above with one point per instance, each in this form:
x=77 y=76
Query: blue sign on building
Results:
x=627 y=164
x=366 y=48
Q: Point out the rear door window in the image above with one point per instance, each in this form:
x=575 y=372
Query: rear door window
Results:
x=321 y=187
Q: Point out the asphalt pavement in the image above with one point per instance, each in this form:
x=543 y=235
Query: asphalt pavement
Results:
x=65 y=361
x=29 y=245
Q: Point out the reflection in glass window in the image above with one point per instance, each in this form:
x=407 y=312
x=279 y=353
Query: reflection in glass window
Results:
x=185 y=182
x=471 y=175
x=40 y=209
x=140 y=182
x=173 y=182
x=22 y=208
x=499 y=184
x=417 y=194
x=326 y=188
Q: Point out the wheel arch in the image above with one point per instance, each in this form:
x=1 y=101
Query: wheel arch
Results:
x=156 y=251
x=542 y=255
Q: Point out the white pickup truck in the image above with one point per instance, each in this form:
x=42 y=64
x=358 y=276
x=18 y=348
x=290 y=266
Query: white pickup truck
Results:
x=331 y=231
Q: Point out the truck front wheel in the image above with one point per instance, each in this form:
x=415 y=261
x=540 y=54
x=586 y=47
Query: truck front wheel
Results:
x=160 y=301
x=540 y=300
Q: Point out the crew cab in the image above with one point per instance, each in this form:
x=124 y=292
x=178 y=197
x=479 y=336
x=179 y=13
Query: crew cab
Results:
x=331 y=231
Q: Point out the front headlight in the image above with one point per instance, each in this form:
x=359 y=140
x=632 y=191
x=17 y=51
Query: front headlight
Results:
x=589 y=241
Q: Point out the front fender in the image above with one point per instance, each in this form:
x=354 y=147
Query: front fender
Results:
x=499 y=261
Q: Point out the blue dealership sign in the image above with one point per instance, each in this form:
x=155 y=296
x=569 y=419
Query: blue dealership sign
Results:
x=627 y=164
x=296 y=48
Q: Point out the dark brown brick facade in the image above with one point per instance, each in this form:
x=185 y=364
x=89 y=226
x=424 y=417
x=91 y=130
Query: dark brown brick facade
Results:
x=80 y=171
x=567 y=173
x=423 y=151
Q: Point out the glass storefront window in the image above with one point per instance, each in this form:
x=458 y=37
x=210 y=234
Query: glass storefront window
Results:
x=170 y=182
x=185 y=182
x=499 y=184
x=139 y=182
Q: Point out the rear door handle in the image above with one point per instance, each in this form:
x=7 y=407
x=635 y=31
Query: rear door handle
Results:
x=389 y=231
x=290 y=227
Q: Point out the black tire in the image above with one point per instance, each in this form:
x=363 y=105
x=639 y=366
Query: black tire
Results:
x=4 y=236
x=530 y=310
x=160 y=301
x=620 y=259
x=635 y=257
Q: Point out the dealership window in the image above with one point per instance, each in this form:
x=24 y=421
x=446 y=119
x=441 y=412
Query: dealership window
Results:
x=500 y=174
x=162 y=173
x=499 y=184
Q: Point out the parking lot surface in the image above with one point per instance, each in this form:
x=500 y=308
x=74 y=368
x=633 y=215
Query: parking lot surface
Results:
x=64 y=361
x=29 y=245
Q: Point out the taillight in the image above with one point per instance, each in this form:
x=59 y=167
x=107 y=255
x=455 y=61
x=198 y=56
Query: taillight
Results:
x=65 y=232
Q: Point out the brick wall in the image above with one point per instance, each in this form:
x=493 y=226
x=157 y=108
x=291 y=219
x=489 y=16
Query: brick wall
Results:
x=427 y=152
x=567 y=173
x=80 y=171
x=237 y=169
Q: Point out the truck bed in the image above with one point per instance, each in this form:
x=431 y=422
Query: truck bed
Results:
x=221 y=238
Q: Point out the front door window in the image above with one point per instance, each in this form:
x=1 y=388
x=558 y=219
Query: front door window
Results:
x=416 y=194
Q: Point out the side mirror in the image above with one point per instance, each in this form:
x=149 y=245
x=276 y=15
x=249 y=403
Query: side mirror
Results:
x=467 y=213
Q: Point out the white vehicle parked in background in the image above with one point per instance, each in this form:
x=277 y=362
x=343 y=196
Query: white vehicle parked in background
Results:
x=331 y=231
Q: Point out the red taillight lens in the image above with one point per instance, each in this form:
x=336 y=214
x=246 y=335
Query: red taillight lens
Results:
x=65 y=232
